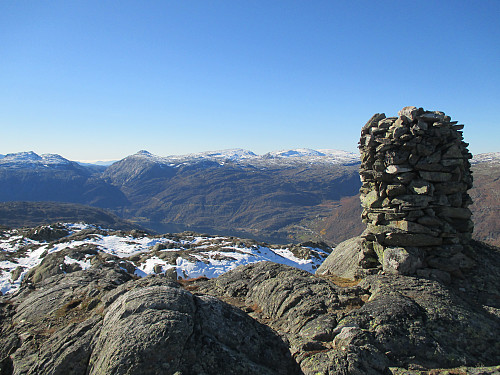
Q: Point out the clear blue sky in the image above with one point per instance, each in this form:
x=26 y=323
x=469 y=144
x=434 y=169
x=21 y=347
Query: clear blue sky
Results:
x=97 y=79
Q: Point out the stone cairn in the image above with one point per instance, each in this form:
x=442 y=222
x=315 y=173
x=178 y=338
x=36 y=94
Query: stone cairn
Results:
x=415 y=174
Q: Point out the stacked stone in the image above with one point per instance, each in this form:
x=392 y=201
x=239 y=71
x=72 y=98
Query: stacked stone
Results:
x=415 y=173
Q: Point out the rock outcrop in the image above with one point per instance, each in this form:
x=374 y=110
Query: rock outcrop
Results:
x=106 y=321
x=381 y=325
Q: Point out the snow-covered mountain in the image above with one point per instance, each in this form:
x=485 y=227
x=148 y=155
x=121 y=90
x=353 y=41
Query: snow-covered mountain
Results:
x=222 y=156
x=30 y=159
x=187 y=255
x=231 y=191
x=237 y=155
x=246 y=157
x=316 y=156
x=493 y=157
x=276 y=158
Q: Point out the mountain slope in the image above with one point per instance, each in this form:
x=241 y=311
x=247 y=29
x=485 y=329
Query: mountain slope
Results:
x=26 y=176
x=486 y=198
x=28 y=214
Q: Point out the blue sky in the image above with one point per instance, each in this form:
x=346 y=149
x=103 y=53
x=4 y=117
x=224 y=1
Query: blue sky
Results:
x=104 y=79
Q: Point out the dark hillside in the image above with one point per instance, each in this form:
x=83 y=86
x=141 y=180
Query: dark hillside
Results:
x=30 y=214
x=486 y=207
x=58 y=185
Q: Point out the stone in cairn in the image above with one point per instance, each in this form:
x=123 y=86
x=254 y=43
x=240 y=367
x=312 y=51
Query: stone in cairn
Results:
x=415 y=174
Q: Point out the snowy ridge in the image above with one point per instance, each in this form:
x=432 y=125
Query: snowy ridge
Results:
x=32 y=160
x=219 y=156
x=246 y=157
x=318 y=156
x=186 y=255
x=487 y=157
x=299 y=152
x=237 y=155
x=275 y=158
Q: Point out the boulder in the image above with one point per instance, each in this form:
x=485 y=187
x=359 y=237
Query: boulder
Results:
x=394 y=169
x=420 y=201
x=421 y=187
x=371 y=200
x=411 y=227
x=454 y=212
x=436 y=176
x=344 y=261
x=409 y=113
x=167 y=329
x=102 y=320
x=47 y=232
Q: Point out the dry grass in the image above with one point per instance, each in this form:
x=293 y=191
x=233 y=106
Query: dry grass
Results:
x=66 y=308
x=341 y=281
x=190 y=284
x=254 y=308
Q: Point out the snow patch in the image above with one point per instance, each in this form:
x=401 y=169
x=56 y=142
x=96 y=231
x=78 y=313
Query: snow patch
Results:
x=194 y=256
x=84 y=264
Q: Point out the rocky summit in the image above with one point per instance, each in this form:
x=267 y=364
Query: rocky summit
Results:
x=83 y=310
x=410 y=296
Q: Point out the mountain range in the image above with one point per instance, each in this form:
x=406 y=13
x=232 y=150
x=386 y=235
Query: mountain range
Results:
x=282 y=196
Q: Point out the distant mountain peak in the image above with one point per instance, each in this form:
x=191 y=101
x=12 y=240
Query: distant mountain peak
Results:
x=96 y=163
x=54 y=159
x=298 y=152
x=22 y=156
x=487 y=157
x=30 y=159
x=231 y=154
x=310 y=156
